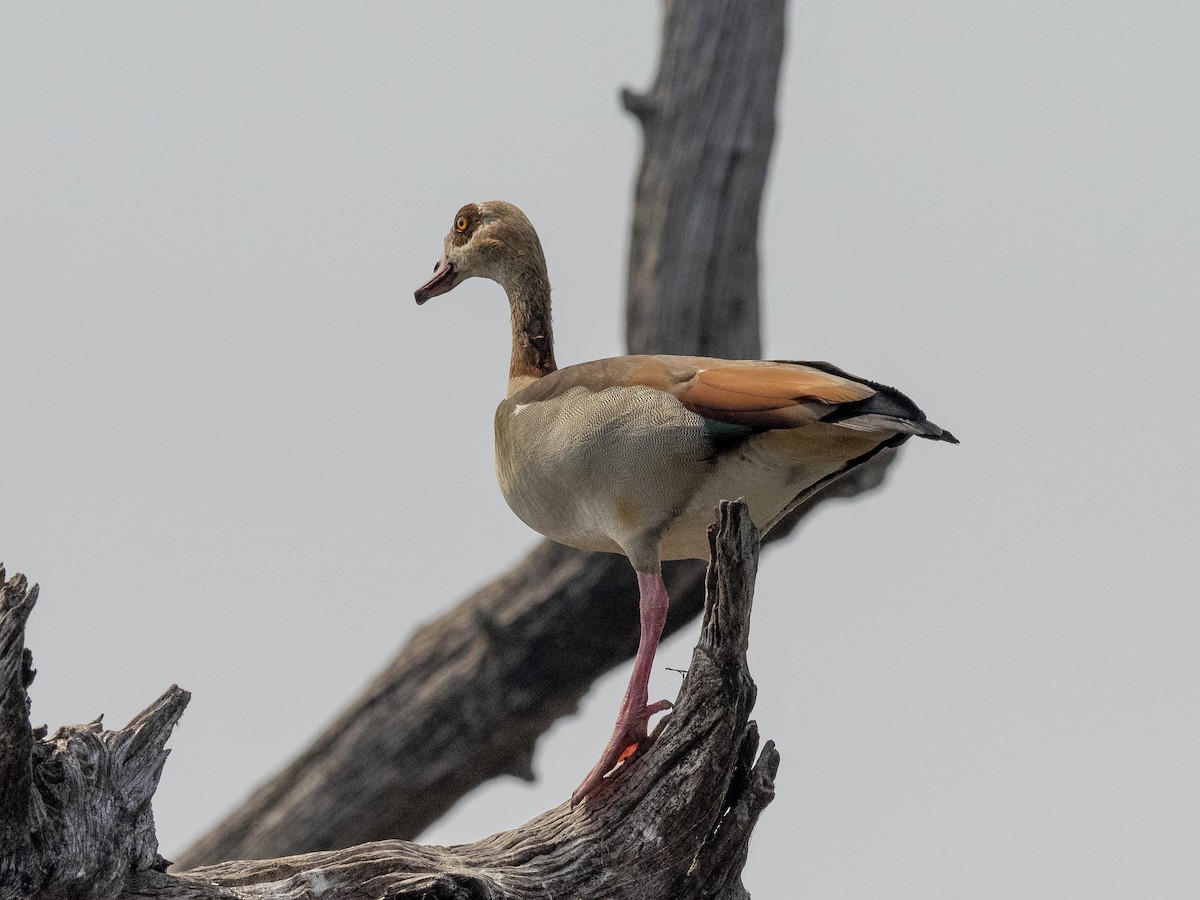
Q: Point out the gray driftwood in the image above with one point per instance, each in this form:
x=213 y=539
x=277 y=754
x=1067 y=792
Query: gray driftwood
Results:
x=466 y=699
x=676 y=823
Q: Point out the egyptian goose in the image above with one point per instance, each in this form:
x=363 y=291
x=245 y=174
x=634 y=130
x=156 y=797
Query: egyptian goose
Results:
x=631 y=454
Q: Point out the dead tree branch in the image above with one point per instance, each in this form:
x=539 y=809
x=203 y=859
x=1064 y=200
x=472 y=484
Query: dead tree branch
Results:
x=82 y=797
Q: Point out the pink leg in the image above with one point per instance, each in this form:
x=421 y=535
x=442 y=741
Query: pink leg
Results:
x=635 y=710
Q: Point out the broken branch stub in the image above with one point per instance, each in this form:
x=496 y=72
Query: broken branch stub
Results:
x=76 y=816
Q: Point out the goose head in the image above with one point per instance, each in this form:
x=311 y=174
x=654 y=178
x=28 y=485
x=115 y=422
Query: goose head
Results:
x=487 y=240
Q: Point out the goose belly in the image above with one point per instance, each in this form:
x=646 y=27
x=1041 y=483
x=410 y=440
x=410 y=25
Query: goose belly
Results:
x=604 y=470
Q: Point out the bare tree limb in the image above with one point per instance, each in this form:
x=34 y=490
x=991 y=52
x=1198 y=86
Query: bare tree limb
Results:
x=708 y=124
x=465 y=701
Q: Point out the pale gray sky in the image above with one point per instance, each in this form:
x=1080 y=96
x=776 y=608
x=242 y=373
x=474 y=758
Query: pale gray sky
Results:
x=236 y=455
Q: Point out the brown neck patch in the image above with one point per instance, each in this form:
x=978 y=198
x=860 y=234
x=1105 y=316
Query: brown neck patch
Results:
x=533 y=335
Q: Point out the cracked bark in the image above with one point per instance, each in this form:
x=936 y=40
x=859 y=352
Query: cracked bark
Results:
x=75 y=818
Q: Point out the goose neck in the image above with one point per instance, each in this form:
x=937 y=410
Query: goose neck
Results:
x=533 y=337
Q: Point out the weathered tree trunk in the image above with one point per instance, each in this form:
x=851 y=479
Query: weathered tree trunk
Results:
x=708 y=124
x=77 y=816
x=469 y=695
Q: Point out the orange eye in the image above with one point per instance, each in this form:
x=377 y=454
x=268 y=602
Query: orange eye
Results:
x=461 y=224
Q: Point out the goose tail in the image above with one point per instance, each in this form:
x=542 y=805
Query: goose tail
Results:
x=886 y=410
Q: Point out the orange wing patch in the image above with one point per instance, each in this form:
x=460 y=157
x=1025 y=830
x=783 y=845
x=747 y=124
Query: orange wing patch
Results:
x=785 y=383
x=768 y=396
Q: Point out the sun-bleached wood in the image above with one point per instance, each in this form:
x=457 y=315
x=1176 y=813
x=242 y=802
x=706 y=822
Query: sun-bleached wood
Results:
x=691 y=798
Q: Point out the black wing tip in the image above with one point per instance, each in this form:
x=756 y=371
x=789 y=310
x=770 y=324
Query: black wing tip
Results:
x=939 y=434
x=887 y=402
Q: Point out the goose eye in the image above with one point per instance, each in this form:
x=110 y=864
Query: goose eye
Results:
x=460 y=224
